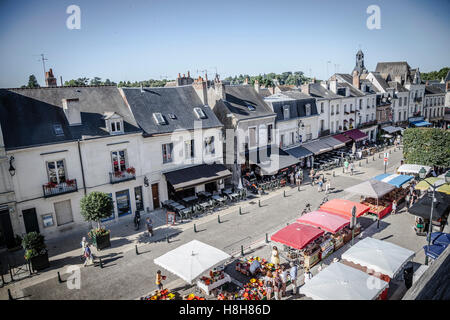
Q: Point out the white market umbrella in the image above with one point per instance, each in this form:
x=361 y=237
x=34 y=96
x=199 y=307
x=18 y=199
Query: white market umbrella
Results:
x=381 y=256
x=191 y=260
x=341 y=282
x=354 y=148
x=371 y=188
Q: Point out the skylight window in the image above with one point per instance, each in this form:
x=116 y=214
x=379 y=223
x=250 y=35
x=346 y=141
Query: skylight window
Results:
x=57 y=129
x=159 y=118
x=250 y=107
x=172 y=116
x=199 y=112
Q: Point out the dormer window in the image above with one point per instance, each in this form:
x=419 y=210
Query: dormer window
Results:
x=308 y=109
x=286 y=113
x=159 y=118
x=200 y=114
x=58 y=130
x=114 y=122
x=172 y=116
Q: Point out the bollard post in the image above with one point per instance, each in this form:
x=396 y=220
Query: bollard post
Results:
x=298 y=188
x=343 y=169
x=242 y=250
x=367 y=160
x=101 y=263
x=167 y=239
x=267 y=238
x=218 y=218
x=284 y=193
x=136 y=248
x=379 y=155
x=240 y=211
x=195 y=228
x=59 y=278
x=334 y=174
x=373 y=158
x=378 y=222
x=10 y=272
x=3 y=280
x=10 y=297
x=259 y=203
x=360 y=163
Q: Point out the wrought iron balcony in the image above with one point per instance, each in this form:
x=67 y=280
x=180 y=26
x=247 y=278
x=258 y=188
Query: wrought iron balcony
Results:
x=122 y=176
x=54 y=189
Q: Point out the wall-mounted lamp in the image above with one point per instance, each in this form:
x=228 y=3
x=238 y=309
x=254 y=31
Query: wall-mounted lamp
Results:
x=146 y=184
x=12 y=170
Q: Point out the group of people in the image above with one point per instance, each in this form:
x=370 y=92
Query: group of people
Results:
x=321 y=181
x=349 y=166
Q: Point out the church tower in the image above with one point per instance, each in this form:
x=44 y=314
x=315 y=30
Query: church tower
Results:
x=360 y=63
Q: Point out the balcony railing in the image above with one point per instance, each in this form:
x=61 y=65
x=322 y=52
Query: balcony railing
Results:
x=121 y=176
x=324 y=133
x=54 y=189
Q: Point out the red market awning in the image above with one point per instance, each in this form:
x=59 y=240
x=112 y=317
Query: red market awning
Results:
x=342 y=138
x=344 y=208
x=356 y=135
x=297 y=235
x=324 y=220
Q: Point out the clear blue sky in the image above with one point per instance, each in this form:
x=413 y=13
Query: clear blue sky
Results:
x=139 y=40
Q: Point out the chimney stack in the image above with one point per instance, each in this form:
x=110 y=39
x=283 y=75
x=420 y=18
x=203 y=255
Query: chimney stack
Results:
x=71 y=108
x=50 y=80
x=201 y=89
x=257 y=86
x=333 y=85
x=305 y=88
x=356 y=82
x=246 y=81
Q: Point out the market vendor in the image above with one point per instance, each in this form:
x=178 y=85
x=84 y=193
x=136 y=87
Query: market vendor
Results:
x=255 y=267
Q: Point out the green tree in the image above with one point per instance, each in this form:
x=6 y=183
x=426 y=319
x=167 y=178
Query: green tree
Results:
x=435 y=75
x=96 y=206
x=96 y=81
x=427 y=146
x=32 y=82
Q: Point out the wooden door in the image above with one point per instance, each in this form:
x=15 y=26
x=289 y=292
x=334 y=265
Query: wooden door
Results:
x=30 y=220
x=155 y=195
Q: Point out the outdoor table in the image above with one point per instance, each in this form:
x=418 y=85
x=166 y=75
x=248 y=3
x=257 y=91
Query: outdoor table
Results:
x=208 y=288
x=190 y=199
x=235 y=195
x=205 y=205
x=205 y=194
x=184 y=213
x=219 y=198
x=179 y=207
x=167 y=202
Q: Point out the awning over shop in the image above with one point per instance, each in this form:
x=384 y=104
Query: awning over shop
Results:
x=394 y=179
x=434 y=251
x=278 y=161
x=412 y=168
x=191 y=260
x=380 y=256
x=391 y=129
x=371 y=188
x=332 y=142
x=342 y=138
x=317 y=147
x=356 y=135
x=344 y=207
x=299 y=152
x=324 y=220
x=296 y=235
x=341 y=282
x=196 y=175
x=440 y=238
x=421 y=123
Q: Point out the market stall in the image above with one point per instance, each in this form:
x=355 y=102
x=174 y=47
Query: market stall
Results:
x=302 y=238
x=374 y=190
x=397 y=180
x=378 y=258
x=344 y=208
x=217 y=277
x=341 y=282
x=435 y=181
x=191 y=260
x=422 y=209
x=412 y=169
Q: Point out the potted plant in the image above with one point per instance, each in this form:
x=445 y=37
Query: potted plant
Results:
x=50 y=185
x=131 y=170
x=35 y=250
x=94 y=207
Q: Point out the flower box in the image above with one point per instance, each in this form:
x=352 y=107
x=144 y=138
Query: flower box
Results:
x=101 y=241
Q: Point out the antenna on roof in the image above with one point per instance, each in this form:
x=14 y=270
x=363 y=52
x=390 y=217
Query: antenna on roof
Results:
x=43 y=58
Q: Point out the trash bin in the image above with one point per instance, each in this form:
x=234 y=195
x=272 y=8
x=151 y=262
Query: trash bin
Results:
x=408 y=272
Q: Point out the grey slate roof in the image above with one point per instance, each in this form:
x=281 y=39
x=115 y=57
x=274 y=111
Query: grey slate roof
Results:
x=434 y=89
x=353 y=91
x=27 y=116
x=238 y=97
x=297 y=107
x=316 y=90
x=179 y=101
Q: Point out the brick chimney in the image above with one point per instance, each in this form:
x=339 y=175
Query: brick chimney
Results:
x=246 y=81
x=333 y=85
x=356 y=82
x=257 y=86
x=305 y=88
x=183 y=80
x=201 y=89
x=50 y=80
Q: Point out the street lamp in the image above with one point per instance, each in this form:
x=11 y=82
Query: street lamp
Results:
x=422 y=174
x=12 y=170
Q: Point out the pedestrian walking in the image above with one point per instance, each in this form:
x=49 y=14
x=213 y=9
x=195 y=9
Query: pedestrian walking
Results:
x=87 y=255
x=394 y=207
x=159 y=278
x=293 y=276
x=407 y=200
x=268 y=284
x=308 y=275
x=291 y=178
x=275 y=259
x=149 y=224
x=346 y=165
x=277 y=284
x=328 y=186
x=320 y=188
x=83 y=243
x=284 y=279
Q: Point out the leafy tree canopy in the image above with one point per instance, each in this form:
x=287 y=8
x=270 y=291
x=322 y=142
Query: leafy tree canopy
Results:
x=96 y=206
x=427 y=146
x=270 y=79
x=435 y=75
x=32 y=82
